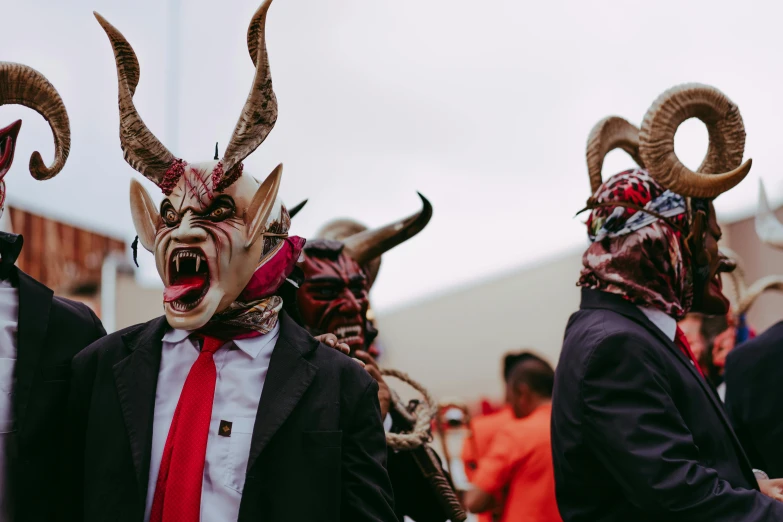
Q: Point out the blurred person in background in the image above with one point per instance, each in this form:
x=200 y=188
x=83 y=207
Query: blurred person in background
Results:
x=637 y=431
x=720 y=336
x=484 y=428
x=518 y=463
x=754 y=369
x=39 y=333
x=691 y=326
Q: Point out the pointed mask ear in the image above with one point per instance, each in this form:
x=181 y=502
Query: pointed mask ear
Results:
x=261 y=206
x=145 y=215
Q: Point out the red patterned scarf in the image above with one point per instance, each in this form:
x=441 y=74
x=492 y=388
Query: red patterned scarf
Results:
x=639 y=255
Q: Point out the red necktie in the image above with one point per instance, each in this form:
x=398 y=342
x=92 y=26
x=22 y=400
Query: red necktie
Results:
x=685 y=347
x=178 y=489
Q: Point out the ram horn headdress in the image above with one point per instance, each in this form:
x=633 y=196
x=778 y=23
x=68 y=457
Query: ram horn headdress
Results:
x=145 y=153
x=745 y=295
x=23 y=85
x=652 y=147
x=721 y=169
x=608 y=134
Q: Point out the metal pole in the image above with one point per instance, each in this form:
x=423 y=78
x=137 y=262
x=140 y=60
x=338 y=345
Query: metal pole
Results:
x=171 y=101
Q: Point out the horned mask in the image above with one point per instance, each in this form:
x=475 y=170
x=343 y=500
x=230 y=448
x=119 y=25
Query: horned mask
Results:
x=219 y=235
x=23 y=85
x=684 y=203
x=339 y=270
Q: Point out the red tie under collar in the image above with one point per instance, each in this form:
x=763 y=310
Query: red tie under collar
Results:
x=685 y=347
x=178 y=488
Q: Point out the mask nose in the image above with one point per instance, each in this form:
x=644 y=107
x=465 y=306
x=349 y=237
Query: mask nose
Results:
x=350 y=304
x=188 y=232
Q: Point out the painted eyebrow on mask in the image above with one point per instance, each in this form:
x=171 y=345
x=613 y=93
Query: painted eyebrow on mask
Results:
x=325 y=279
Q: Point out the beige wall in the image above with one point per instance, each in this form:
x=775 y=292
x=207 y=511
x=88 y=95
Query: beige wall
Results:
x=758 y=260
x=454 y=343
x=136 y=304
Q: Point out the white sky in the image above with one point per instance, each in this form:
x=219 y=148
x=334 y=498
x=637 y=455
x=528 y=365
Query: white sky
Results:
x=484 y=107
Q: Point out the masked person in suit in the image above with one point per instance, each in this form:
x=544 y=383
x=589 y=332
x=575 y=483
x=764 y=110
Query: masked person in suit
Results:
x=39 y=333
x=339 y=268
x=753 y=381
x=224 y=408
x=637 y=431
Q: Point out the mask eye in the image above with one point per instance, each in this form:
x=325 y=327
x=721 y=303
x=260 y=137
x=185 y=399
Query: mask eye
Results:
x=169 y=215
x=222 y=208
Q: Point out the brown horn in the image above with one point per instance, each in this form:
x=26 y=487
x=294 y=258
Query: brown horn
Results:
x=23 y=85
x=371 y=244
x=259 y=114
x=141 y=149
x=293 y=211
x=608 y=134
x=756 y=289
x=721 y=168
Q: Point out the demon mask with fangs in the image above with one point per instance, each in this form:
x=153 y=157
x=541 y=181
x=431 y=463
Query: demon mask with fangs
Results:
x=340 y=267
x=219 y=237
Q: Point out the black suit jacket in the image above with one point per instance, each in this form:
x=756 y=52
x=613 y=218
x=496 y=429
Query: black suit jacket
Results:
x=754 y=388
x=318 y=448
x=51 y=330
x=637 y=433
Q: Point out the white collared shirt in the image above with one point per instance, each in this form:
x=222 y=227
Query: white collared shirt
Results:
x=664 y=322
x=9 y=321
x=242 y=366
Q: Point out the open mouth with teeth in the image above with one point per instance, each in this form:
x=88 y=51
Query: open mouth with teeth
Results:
x=349 y=334
x=7 y=144
x=188 y=279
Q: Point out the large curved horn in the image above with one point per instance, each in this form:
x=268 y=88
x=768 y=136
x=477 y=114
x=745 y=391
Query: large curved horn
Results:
x=370 y=244
x=768 y=227
x=23 y=85
x=142 y=150
x=746 y=295
x=756 y=289
x=608 y=134
x=259 y=114
x=721 y=168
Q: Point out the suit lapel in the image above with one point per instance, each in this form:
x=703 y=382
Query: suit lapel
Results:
x=632 y=312
x=35 y=302
x=136 y=378
x=289 y=376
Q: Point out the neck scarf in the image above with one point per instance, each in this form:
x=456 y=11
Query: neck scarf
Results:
x=639 y=255
x=255 y=312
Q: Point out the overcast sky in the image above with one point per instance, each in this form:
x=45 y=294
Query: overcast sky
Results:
x=484 y=107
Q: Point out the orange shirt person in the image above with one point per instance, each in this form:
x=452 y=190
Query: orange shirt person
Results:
x=483 y=429
x=519 y=459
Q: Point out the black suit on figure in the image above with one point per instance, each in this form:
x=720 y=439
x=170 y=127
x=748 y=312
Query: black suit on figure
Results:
x=318 y=450
x=50 y=331
x=754 y=391
x=637 y=434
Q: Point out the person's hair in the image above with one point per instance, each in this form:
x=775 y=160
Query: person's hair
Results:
x=537 y=374
x=511 y=359
x=328 y=248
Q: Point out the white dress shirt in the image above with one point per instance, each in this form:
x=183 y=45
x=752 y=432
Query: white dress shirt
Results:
x=241 y=372
x=664 y=322
x=9 y=317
